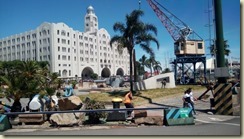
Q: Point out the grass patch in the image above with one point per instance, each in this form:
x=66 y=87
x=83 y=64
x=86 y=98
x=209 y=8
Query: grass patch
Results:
x=142 y=96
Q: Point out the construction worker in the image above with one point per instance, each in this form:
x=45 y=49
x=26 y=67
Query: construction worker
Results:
x=128 y=102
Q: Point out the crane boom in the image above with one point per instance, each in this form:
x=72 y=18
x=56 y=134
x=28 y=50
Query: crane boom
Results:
x=187 y=42
x=176 y=28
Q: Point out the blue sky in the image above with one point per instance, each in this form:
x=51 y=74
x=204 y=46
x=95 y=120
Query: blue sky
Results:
x=18 y=16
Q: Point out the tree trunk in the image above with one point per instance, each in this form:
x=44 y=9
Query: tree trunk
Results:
x=151 y=70
x=131 y=83
x=135 y=69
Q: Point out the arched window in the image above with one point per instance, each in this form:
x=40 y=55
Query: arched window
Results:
x=64 y=73
x=63 y=33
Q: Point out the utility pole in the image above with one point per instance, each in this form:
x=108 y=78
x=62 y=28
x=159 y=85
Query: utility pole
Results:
x=220 y=57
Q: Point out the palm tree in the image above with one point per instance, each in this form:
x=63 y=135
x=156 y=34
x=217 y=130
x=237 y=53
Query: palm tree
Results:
x=139 y=68
x=150 y=62
x=25 y=79
x=134 y=32
x=157 y=66
x=32 y=75
x=226 y=50
x=143 y=61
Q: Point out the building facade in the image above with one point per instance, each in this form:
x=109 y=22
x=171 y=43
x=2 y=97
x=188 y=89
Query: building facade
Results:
x=69 y=52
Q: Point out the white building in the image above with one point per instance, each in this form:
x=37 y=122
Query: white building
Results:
x=68 y=51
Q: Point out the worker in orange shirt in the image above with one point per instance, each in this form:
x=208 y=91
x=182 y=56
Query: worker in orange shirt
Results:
x=128 y=102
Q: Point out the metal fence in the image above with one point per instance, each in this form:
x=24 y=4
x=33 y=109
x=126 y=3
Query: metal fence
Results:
x=86 y=111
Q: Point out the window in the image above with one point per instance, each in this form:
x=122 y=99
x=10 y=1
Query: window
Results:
x=63 y=41
x=64 y=57
x=199 y=46
x=104 y=36
x=13 y=41
x=58 y=32
x=182 y=46
x=63 y=49
x=95 y=19
x=33 y=36
x=44 y=32
x=80 y=37
x=28 y=37
x=63 y=33
x=23 y=38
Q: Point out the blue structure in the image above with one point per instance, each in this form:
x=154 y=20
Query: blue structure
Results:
x=192 y=60
x=68 y=91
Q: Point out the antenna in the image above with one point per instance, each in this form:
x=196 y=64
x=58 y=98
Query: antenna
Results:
x=139 y=4
x=210 y=24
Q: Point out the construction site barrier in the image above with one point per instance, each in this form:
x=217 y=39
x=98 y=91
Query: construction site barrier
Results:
x=4 y=123
x=178 y=116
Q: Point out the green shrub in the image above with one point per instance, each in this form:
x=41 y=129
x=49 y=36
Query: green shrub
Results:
x=94 y=117
x=94 y=76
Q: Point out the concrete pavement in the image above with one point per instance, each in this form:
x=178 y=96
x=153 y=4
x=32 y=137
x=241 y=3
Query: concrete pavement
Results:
x=204 y=115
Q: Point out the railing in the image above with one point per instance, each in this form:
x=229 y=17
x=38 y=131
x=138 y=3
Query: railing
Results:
x=79 y=111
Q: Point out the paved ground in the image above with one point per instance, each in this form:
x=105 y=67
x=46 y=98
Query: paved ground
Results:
x=202 y=107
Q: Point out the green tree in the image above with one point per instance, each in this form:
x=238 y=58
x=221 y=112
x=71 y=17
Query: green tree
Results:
x=134 y=32
x=142 y=60
x=157 y=66
x=226 y=50
x=149 y=63
x=139 y=68
x=166 y=70
x=26 y=78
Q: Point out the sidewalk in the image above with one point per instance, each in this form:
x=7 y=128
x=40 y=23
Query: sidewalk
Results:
x=202 y=109
x=201 y=106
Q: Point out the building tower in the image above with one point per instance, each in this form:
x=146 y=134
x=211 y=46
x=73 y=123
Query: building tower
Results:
x=91 y=21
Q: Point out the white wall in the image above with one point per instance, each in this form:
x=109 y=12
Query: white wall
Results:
x=153 y=82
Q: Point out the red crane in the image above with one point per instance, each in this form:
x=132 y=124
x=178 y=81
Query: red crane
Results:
x=185 y=38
